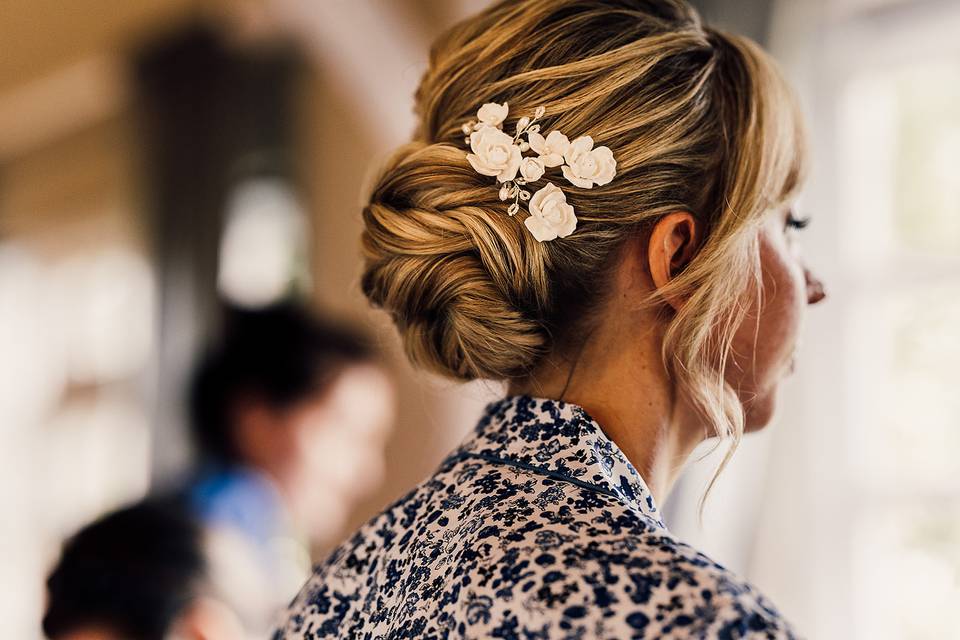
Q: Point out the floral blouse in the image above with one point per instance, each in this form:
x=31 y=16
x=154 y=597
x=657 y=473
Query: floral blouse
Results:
x=536 y=527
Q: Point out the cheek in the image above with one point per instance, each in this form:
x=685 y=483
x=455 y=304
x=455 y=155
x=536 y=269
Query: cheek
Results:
x=781 y=313
x=767 y=338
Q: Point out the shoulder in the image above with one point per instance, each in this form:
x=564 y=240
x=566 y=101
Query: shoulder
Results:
x=497 y=552
x=620 y=577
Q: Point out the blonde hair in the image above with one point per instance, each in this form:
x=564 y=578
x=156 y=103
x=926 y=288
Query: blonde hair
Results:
x=699 y=120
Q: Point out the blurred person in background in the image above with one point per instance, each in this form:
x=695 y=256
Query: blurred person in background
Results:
x=138 y=573
x=290 y=413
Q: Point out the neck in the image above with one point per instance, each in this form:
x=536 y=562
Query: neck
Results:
x=630 y=397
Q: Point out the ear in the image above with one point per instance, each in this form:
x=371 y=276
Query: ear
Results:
x=673 y=242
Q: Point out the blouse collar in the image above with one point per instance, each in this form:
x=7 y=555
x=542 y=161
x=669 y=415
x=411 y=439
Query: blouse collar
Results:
x=560 y=439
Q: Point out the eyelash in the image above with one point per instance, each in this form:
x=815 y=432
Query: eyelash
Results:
x=797 y=223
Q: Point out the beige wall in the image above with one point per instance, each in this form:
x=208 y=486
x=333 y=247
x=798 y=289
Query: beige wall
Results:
x=84 y=181
x=42 y=36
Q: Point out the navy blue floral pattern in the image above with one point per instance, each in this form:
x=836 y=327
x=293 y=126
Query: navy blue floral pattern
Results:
x=536 y=528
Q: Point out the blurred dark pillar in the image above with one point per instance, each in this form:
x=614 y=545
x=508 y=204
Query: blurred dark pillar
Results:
x=211 y=117
x=747 y=17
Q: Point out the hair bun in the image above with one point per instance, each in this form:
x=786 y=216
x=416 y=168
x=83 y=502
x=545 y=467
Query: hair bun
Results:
x=457 y=276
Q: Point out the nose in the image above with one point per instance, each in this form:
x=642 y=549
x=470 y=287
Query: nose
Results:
x=815 y=291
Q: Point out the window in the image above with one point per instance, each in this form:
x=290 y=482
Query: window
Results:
x=896 y=97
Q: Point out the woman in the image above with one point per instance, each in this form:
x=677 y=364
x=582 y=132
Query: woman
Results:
x=649 y=298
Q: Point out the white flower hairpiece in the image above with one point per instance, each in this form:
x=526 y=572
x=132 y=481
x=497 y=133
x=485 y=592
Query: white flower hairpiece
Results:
x=495 y=153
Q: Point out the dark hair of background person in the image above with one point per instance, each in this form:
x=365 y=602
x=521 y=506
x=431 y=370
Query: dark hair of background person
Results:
x=278 y=354
x=132 y=572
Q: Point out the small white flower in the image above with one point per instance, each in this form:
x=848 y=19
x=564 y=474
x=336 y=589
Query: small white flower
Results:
x=551 y=149
x=550 y=215
x=494 y=153
x=532 y=168
x=492 y=113
x=586 y=165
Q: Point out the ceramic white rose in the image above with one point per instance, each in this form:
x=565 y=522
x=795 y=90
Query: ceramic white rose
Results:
x=495 y=153
x=492 y=113
x=550 y=215
x=532 y=169
x=586 y=165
